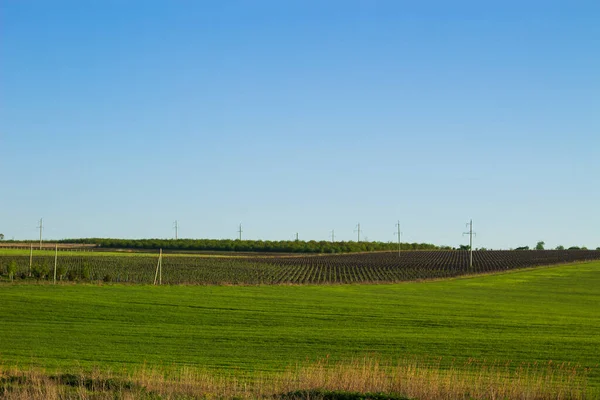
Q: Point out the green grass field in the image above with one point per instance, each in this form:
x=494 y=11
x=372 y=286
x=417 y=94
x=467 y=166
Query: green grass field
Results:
x=524 y=316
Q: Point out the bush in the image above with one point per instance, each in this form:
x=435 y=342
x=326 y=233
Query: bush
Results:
x=11 y=269
x=40 y=271
x=60 y=272
x=85 y=273
x=71 y=275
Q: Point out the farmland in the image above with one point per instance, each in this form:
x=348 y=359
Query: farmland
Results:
x=529 y=316
x=249 y=269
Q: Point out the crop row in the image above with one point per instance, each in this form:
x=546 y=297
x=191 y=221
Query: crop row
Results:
x=345 y=268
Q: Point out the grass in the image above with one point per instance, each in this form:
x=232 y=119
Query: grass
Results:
x=365 y=378
x=520 y=318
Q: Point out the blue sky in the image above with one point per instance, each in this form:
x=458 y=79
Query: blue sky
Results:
x=119 y=117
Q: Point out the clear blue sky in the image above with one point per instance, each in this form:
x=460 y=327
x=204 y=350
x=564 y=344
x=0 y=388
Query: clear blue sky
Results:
x=119 y=117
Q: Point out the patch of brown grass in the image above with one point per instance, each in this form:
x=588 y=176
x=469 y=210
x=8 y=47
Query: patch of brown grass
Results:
x=416 y=379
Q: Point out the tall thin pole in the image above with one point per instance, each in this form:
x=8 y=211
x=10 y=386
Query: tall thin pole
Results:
x=55 y=261
x=157 y=266
x=240 y=231
x=470 y=233
x=297 y=236
x=176 y=227
x=358 y=231
x=30 y=258
x=332 y=235
x=160 y=268
x=41 y=227
x=399 y=235
x=470 y=244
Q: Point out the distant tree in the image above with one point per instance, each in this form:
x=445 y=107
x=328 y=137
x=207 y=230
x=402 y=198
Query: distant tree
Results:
x=522 y=248
x=1 y=236
x=540 y=245
x=583 y=248
x=560 y=247
x=12 y=270
x=574 y=248
x=464 y=247
x=597 y=248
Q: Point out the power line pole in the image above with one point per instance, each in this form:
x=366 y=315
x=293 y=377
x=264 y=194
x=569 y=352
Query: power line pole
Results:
x=358 y=231
x=399 y=235
x=240 y=231
x=30 y=257
x=470 y=233
x=176 y=227
x=296 y=236
x=158 y=274
x=332 y=235
x=55 y=261
x=41 y=227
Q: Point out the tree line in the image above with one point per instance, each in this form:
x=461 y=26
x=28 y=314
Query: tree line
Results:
x=267 y=246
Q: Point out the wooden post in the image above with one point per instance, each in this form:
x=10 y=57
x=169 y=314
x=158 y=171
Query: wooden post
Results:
x=30 y=258
x=55 y=261
x=157 y=267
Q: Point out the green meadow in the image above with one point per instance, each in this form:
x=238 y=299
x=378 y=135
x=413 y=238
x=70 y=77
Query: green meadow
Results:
x=542 y=314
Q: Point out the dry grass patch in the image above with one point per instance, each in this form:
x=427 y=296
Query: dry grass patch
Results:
x=362 y=378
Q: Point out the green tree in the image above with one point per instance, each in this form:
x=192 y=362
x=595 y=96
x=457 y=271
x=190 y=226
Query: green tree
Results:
x=1 y=236
x=540 y=245
x=12 y=270
x=560 y=247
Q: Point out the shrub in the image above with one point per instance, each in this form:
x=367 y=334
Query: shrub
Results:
x=12 y=270
x=40 y=271
x=71 y=275
x=60 y=272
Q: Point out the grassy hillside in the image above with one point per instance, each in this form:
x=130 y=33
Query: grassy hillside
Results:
x=525 y=316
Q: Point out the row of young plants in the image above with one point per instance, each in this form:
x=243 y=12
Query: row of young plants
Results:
x=347 y=268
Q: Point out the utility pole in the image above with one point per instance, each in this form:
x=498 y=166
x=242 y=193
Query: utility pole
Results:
x=399 y=235
x=240 y=231
x=358 y=231
x=41 y=227
x=176 y=227
x=296 y=236
x=55 y=261
x=332 y=235
x=30 y=257
x=158 y=274
x=470 y=233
